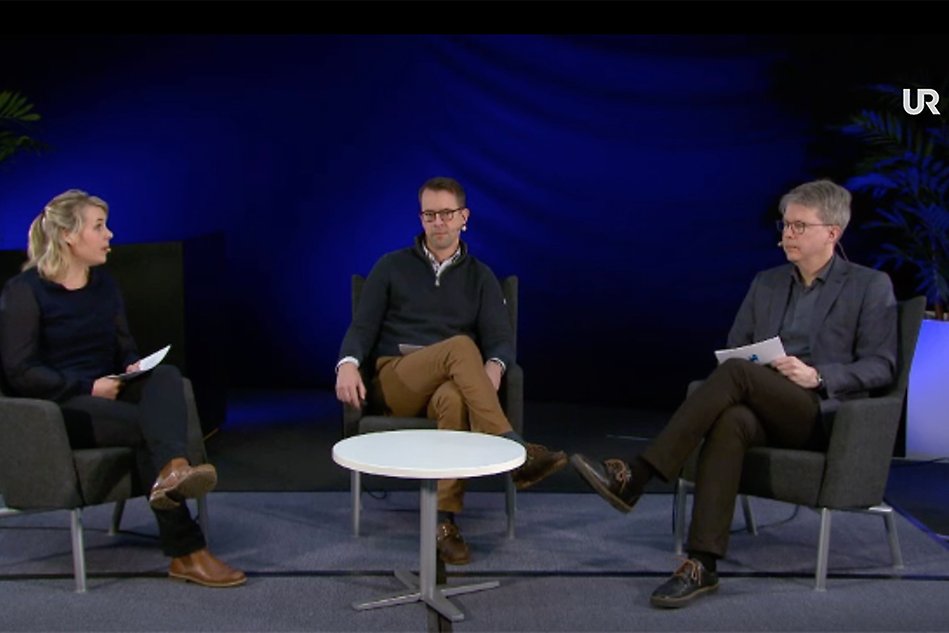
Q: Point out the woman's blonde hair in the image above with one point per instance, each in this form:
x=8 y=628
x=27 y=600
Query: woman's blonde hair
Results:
x=61 y=216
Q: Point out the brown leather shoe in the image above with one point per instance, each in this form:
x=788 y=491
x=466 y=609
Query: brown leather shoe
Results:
x=201 y=567
x=182 y=483
x=539 y=464
x=612 y=480
x=451 y=545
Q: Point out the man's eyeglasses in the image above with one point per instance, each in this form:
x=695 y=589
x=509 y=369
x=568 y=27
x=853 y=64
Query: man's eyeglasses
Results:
x=445 y=214
x=798 y=227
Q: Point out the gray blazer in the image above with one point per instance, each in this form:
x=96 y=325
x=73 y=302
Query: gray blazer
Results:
x=853 y=340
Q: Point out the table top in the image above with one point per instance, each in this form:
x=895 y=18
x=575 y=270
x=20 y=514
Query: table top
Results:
x=428 y=454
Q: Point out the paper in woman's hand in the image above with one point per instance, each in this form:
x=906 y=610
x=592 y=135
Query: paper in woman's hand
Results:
x=762 y=352
x=146 y=364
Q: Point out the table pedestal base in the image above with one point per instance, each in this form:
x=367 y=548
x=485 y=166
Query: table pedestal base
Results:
x=438 y=599
x=423 y=586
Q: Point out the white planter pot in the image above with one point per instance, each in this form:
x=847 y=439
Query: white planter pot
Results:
x=927 y=405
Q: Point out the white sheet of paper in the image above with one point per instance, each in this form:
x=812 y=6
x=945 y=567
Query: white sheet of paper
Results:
x=762 y=352
x=146 y=364
x=405 y=348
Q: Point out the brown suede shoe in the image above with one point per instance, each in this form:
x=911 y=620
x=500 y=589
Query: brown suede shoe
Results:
x=451 y=545
x=182 y=483
x=201 y=567
x=539 y=464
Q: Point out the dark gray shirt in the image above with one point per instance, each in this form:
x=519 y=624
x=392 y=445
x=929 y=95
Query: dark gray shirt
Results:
x=796 y=327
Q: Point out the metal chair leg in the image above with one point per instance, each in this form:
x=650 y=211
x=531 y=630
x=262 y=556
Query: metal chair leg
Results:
x=510 y=498
x=117 y=511
x=750 y=524
x=823 y=551
x=203 y=519
x=355 y=486
x=78 y=549
x=682 y=490
x=889 y=520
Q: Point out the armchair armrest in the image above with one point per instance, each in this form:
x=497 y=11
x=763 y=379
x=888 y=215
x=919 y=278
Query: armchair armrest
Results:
x=36 y=461
x=197 y=454
x=351 y=417
x=859 y=452
x=511 y=395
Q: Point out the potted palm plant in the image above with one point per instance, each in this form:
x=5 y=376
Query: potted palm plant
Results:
x=905 y=171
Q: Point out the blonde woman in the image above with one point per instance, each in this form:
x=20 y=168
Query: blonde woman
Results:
x=63 y=333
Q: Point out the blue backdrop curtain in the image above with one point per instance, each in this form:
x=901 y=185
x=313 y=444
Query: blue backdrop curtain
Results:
x=630 y=181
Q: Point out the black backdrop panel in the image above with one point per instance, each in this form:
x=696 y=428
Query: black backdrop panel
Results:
x=160 y=282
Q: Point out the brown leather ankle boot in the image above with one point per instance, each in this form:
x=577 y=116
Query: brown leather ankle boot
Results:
x=203 y=568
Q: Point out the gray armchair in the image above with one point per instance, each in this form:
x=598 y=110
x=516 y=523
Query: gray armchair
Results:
x=39 y=470
x=371 y=419
x=850 y=476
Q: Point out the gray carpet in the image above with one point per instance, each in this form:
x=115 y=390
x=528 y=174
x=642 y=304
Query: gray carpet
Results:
x=576 y=564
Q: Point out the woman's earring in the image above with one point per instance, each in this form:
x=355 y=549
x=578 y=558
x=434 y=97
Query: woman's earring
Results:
x=464 y=227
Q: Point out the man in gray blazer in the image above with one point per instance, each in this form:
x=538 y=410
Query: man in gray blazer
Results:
x=837 y=322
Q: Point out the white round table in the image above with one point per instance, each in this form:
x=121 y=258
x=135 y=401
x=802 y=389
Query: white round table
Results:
x=428 y=455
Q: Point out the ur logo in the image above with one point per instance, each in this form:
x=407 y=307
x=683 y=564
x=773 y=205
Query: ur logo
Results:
x=925 y=97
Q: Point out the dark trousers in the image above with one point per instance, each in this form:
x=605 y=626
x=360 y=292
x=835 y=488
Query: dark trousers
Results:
x=739 y=406
x=150 y=415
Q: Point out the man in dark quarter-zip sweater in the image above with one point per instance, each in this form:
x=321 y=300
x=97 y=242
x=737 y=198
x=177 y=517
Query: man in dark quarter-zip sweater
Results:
x=432 y=324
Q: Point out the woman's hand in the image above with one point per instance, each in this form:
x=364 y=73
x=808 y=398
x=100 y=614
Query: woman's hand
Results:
x=132 y=367
x=107 y=388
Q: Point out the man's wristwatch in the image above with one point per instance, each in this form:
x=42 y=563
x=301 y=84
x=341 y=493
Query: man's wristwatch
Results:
x=821 y=387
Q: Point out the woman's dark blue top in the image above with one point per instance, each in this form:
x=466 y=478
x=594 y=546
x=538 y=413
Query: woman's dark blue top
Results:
x=55 y=342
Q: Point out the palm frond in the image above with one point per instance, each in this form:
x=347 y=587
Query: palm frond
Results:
x=16 y=119
x=10 y=144
x=16 y=107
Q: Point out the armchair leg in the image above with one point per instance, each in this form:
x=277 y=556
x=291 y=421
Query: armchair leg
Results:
x=678 y=527
x=117 y=511
x=510 y=500
x=890 y=521
x=750 y=524
x=823 y=550
x=355 y=486
x=78 y=549
x=203 y=520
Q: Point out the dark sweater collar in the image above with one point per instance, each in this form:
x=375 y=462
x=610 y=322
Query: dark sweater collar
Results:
x=419 y=248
